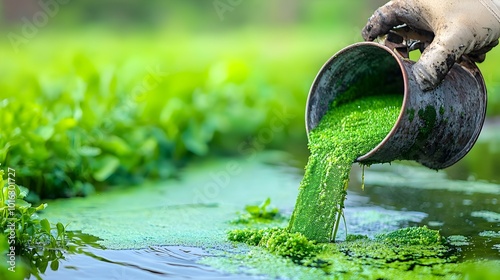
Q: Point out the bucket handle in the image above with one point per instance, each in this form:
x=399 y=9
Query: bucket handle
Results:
x=403 y=39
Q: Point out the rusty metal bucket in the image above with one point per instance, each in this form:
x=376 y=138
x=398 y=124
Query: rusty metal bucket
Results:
x=435 y=128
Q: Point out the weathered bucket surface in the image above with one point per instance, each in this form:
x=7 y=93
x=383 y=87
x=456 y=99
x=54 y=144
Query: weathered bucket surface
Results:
x=435 y=128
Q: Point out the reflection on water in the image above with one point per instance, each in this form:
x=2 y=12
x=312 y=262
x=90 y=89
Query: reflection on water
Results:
x=461 y=209
x=395 y=196
x=169 y=262
x=39 y=259
x=483 y=161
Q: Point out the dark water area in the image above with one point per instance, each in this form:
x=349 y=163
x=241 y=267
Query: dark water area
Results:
x=468 y=214
x=162 y=262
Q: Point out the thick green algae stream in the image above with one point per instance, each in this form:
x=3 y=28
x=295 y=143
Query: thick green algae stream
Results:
x=346 y=132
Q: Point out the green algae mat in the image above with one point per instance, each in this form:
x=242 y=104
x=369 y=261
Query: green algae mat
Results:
x=241 y=212
x=208 y=201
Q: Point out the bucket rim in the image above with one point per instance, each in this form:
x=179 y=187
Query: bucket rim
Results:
x=397 y=57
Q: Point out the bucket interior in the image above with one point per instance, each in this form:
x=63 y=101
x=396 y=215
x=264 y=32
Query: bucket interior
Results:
x=359 y=70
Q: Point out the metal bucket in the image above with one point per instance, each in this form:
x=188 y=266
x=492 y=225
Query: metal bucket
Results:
x=435 y=128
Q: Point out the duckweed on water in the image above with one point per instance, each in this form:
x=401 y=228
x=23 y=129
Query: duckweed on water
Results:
x=412 y=236
x=345 y=133
x=277 y=241
x=302 y=251
x=402 y=254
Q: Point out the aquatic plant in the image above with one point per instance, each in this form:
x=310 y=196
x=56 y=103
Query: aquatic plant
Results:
x=20 y=225
x=278 y=241
x=412 y=236
x=402 y=254
x=248 y=236
x=261 y=213
x=29 y=243
x=19 y=219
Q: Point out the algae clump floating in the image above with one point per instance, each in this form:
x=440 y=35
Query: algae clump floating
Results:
x=346 y=132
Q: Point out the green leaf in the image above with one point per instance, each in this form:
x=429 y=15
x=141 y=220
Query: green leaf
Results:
x=42 y=266
x=108 y=165
x=21 y=204
x=45 y=225
x=116 y=145
x=23 y=192
x=89 y=151
x=194 y=140
x=54 y=265
x=60 y=229
x=252 y=209
x=45 y=132
x=148 y=146
x=41 y=207
x=265 y=203
x=66 y=124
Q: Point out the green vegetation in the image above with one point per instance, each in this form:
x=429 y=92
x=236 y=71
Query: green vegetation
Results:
x=94 y=120
x=26 y=241
x=259 y=213
x=411 y=114
x=118 y=92
x=19 y=220
x=344 y=133
x=412 y=236
x=86 y=115
x=277 y=241
x=428 y=115
x=83 y=107
x=402 y=254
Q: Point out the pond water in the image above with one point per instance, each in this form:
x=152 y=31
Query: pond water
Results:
x=167 y=262
x=163 y=230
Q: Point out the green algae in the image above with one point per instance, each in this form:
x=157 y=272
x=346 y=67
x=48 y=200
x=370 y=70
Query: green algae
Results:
x=277 y=241
x=298 y=247
x=412 y=236
x=344 y=133
x=164 y=214
x=429 y=116
x=411 y=114
x=441 y=110
x=259 y=262
x=191 y=212
x=408 y=253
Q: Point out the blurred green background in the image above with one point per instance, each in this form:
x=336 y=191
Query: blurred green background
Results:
x=99 y=93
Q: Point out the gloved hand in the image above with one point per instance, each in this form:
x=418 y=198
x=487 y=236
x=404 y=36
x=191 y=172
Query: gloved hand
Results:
x=470 y=27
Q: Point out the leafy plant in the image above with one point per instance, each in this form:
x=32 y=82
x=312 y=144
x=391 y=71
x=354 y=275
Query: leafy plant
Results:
x=259 y=213
x=20 y=217
x=107 y=114
x=87 y=121
x=29 y=243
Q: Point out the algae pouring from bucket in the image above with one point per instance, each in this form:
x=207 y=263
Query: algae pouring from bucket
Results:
x=346 y=132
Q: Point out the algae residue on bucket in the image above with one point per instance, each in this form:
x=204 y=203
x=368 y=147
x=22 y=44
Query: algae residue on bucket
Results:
x=346 y=132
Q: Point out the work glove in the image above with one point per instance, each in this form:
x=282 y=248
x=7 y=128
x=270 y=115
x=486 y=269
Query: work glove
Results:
x=460 y=27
